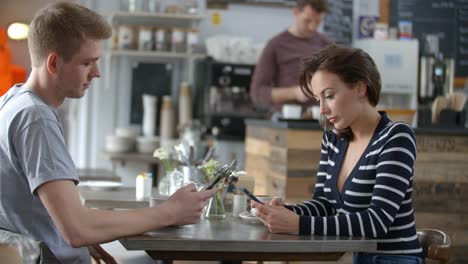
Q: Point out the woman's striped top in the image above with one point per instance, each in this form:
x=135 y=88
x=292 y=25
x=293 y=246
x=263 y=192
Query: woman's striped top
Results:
x=375 y=201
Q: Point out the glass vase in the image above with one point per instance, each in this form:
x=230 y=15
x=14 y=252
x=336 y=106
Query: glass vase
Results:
x=215 y=207
x=170 y=183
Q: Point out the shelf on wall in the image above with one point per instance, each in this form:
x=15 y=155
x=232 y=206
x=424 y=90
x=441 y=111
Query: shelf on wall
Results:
x=140 y=18
x=131 y=156
x=156 y=54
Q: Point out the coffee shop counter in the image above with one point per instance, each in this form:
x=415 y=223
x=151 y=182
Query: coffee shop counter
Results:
x=283 y=158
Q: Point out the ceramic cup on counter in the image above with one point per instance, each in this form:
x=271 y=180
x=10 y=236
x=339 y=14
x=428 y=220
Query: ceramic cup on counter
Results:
x=118 y=144
x=147 y=145
x=314 y=112
x=291 y=111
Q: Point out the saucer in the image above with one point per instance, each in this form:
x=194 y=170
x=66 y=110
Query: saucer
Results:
x=246 y=216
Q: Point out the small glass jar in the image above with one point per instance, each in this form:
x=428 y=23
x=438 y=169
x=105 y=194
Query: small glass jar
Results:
x=126 y=37
x=161 y=39
x=192 y=40
x=145 y=38
x=154 y=6
x=178 y=40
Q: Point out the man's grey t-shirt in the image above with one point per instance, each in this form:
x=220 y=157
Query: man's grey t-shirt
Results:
x=33 y=152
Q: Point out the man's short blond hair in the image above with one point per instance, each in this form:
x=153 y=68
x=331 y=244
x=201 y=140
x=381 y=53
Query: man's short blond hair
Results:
x=62 y=27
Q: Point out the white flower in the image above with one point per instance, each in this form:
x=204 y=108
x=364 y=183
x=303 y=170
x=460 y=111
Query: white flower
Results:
x=161 y=154
x=180 y=149
x=238 y=173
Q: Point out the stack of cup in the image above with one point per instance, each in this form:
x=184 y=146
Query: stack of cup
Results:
x=167 y=121
x=185 y=105
x=149 y=115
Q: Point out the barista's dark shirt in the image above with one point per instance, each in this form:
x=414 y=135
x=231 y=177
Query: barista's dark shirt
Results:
x=279 y=64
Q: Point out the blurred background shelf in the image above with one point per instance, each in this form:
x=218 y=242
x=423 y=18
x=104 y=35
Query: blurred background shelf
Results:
x=142 y=18
x=156 y=54
x=131 y=156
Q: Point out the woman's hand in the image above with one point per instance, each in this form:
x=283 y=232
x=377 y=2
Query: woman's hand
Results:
x=99 y=254
x=277 y=219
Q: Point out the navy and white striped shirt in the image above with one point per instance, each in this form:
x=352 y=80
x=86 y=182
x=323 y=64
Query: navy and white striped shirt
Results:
x=375 y=201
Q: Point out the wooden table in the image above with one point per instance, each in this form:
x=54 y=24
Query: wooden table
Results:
x=233 y=239
x=229 y=239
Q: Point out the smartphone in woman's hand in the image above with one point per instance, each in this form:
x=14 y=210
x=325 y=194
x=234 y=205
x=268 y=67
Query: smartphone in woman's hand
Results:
x=249 y=194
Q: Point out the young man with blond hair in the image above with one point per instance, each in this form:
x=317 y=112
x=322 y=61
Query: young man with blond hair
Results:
x=276 y=78
x=37 y=175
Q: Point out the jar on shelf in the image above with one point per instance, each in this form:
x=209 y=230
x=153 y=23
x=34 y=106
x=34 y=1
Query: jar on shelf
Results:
x=192 y=40
x=126 y=37
x=154 y=6
x=191 y=7
x=114 y=40
x=178 y=40
x=145 y=38
x=175 y=7
x=131 y=5
x=161 y=39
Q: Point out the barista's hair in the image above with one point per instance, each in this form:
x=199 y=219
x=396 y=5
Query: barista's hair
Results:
x=62 y=27
x=320 y=6
x=351 y=65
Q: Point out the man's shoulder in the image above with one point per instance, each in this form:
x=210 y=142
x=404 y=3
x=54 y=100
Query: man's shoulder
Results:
x=279 y=38
x=26 y=107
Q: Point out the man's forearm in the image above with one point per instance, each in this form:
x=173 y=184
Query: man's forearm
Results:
x=283 y=94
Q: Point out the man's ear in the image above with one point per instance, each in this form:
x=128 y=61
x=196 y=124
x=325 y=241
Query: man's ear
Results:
x=296 y=11
x=51 y=63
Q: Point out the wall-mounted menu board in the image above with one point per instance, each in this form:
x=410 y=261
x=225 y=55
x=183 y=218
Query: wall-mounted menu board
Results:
x=448 y=19
x=338 y=22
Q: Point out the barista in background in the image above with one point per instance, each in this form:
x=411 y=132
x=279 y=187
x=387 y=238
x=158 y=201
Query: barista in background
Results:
x=39 y=198
x=276 y=78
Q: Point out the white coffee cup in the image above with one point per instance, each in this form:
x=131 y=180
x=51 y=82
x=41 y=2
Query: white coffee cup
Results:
x=291 y=111
x=239 y=204
x=315 y=112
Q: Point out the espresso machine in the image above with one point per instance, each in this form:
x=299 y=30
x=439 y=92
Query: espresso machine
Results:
x=227 y=101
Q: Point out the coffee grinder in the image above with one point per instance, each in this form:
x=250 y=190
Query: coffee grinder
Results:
x=435 y=77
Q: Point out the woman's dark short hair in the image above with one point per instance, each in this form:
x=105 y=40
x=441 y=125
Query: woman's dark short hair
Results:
x=351 y=65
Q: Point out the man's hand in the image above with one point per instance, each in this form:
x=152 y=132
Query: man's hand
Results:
x=186 y=204
x=99 y=254
x=277 y=219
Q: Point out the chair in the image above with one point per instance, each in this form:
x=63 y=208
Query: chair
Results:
x=9 y=254
x=435 y=243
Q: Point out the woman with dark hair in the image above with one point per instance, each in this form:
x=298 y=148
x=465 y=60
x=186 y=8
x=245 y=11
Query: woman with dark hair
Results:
x=365 y=178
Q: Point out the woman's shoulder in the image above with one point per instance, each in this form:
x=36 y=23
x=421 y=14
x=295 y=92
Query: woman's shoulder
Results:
x=393 y=130
x=397 y=127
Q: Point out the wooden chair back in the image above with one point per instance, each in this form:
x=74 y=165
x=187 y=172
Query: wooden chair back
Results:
x=435 y=243
x=9 y=255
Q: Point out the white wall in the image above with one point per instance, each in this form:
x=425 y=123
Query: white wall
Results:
x=258 y=23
